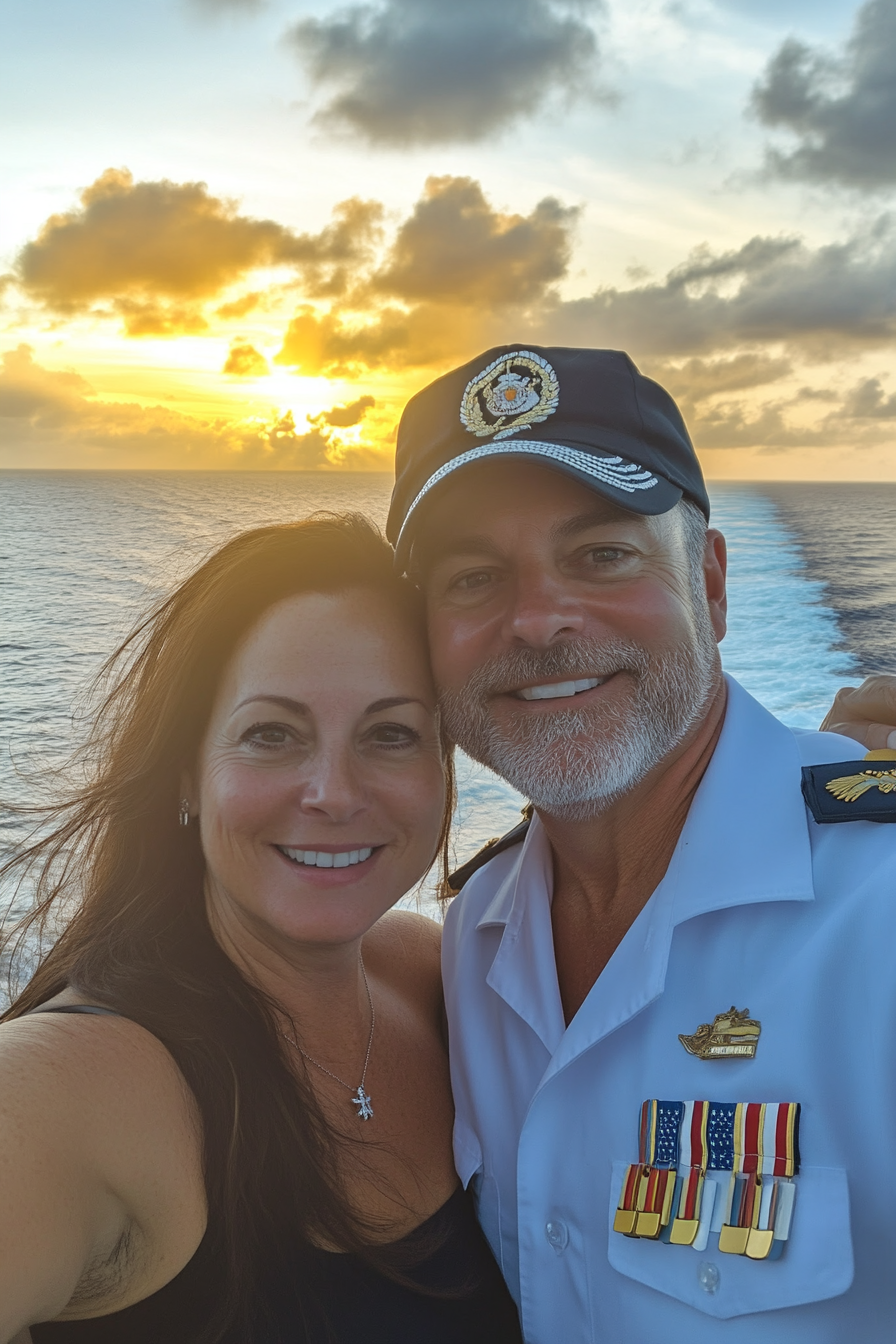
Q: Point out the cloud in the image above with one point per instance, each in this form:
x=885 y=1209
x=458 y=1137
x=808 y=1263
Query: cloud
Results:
x=698 y=379
x=156 y=251
x=28 y=391
x=457 y=248
x=244 y=361
x=842 y=109
x=424 y=72
x=771 y=290
x=456 y=269
x=867 y=401
x=344 y=417
x=52 y=418
x=718 y=329
x=246 y=303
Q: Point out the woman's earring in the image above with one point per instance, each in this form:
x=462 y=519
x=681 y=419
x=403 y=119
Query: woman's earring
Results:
x=183 y=815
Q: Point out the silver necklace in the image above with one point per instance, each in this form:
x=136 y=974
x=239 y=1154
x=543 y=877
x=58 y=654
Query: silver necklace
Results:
x=360 y=1098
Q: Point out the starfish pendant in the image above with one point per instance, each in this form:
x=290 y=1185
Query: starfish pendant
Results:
x=365 y=1107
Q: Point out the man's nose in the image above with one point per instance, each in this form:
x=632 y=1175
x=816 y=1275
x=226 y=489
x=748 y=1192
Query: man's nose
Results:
x=330 y=785
x=541 y=611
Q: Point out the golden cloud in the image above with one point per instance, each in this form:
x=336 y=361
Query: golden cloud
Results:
x=244 y=361
x=157 y=250
x=457 y=274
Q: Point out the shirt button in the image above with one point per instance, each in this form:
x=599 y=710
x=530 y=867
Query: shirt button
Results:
x=557 y=1234
x=708 y=1276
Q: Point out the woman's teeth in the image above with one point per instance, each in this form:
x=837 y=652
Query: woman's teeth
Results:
x=316 y=858
x=560 y=689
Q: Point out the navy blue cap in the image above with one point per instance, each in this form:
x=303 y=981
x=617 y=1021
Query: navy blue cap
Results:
x=588 y=413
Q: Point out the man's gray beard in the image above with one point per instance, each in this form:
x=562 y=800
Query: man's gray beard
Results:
x=575 y=762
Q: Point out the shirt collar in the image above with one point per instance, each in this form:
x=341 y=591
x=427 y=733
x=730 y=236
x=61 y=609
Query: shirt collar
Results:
x=746 y=838
x=750 y=788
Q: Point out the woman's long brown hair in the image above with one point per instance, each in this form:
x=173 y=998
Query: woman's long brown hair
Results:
x=126 y=882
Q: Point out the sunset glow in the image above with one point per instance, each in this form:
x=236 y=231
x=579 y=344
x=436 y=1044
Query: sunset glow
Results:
x=240 y=235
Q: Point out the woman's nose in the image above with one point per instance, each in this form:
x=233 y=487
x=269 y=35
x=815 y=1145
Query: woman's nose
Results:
x=330 y=784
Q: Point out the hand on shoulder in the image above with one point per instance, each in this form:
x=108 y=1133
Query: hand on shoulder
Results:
x=866 y=713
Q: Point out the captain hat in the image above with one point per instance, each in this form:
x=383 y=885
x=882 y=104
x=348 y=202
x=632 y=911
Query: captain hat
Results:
x=588 y=413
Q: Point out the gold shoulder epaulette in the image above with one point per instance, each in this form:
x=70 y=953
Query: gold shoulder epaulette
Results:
x=853 y=790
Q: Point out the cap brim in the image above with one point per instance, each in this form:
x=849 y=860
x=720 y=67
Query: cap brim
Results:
x=624 y=483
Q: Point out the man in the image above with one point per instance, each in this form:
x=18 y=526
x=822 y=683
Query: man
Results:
x=672 y=1004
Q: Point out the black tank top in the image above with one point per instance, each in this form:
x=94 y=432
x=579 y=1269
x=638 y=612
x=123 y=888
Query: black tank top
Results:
x=359 y=1306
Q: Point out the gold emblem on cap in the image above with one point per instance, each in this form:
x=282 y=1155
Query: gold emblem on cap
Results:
x=733 y=1035
x=515 y=391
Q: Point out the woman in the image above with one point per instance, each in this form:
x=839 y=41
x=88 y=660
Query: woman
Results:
x=225 y=1110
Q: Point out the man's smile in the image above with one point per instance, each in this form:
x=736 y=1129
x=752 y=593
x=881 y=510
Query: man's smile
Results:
x=560 y=690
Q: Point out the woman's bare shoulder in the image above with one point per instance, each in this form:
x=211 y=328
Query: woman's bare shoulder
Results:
x=405 y=949
x=100 y=1085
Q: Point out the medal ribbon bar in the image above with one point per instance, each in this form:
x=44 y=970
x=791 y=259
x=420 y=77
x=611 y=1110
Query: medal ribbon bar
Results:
x=752 y=1140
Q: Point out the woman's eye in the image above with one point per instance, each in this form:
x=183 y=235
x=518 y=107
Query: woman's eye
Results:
x=267 y=736
x=394 y=735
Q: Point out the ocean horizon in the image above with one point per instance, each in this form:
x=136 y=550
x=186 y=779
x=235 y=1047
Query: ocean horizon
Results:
x=812 y=592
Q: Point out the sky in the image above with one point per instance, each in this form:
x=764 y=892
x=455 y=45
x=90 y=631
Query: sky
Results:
x=240 y=233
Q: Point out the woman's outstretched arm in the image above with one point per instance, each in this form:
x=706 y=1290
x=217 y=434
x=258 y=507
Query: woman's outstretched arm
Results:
x=100 y=1172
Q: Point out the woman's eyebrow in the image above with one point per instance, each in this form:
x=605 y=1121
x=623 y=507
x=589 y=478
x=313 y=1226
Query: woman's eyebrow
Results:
x=299 y=706
x=284 y=701
x=392 y=702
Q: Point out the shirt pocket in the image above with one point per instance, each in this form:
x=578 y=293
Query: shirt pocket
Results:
x=817 y=1262
x=469 y=1164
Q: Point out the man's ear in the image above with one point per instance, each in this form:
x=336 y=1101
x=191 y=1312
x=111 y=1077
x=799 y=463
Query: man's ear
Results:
x=715 y=570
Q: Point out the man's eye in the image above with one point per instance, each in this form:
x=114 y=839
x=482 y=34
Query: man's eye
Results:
x=604 y=555
x=468 y=583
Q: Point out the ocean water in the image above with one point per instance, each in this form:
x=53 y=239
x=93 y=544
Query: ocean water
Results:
x=812 y=592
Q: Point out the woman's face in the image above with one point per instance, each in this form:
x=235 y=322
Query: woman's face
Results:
x=319 y=784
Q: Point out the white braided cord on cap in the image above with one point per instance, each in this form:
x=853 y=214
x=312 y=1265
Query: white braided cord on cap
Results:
x=614 y=471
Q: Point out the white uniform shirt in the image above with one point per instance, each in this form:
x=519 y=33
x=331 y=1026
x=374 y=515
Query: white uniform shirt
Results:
x=761 y=908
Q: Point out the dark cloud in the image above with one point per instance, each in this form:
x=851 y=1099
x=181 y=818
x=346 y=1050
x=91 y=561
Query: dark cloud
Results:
x=157 y=250
x=52 y=417
x=244 y=361
x=457 y=248
x=868 y=401
x=344 y=417
x=697 y=379
x=769 y=291
x=422 y=72
x=456 y=270
x=842 y=109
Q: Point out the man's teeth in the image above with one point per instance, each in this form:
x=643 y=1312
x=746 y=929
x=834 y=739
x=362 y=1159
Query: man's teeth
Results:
x=317 y=858
x=559 y=689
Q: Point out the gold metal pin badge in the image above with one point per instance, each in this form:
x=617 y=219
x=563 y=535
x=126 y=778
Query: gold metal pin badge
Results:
x=732 y=1035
